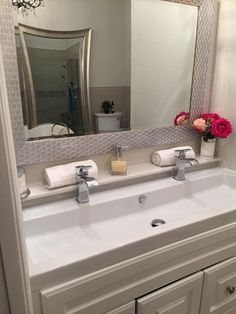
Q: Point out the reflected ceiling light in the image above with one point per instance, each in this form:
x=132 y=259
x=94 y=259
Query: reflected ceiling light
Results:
x=26 y=5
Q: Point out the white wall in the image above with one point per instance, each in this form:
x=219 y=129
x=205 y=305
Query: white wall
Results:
x=109 y=20
x=50 y=43
x=224 y=84
x=162 y=61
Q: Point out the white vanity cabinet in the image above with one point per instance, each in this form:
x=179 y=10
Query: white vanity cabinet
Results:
x=209 y=291
x=219 y=288
x=181 y=297
x=217 y=294
x=175 y=279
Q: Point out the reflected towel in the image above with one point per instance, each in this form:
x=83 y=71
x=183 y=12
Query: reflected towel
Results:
x=166 y=157
x=63 y=175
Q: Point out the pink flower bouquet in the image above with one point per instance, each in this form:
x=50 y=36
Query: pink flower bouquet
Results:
x=211 y=125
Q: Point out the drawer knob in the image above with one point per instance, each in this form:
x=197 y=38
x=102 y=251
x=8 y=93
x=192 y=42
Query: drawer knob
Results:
x=230 y=289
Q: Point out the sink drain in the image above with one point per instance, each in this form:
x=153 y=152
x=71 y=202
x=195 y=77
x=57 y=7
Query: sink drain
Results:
x=157 y=222
x=142 y=198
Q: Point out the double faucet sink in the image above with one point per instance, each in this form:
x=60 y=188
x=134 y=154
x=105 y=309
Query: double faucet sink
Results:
x=84 y=182
x=64 y=232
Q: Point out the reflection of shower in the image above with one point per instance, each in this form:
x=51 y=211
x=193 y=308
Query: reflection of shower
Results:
x=68 y=78
x=72 y=97
x=74 y=115
x=63 y=77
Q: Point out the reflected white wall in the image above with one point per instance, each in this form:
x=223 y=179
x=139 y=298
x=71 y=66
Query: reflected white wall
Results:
x=110 y=23
x=162 y=56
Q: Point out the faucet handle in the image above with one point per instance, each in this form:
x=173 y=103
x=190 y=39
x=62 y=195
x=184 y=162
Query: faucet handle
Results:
x=181 y=153
x=82 y=170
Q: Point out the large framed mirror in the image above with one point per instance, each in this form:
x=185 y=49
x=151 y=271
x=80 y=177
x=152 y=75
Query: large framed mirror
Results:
x=161 y=68
x=148 y=66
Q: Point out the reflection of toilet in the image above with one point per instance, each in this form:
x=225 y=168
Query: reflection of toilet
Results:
x=107 y=122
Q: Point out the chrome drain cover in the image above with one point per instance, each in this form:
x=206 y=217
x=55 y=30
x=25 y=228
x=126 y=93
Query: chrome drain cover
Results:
x=142 y=198
x=157 y=222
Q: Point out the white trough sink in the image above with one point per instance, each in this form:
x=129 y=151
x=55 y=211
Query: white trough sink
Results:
x=61 y=233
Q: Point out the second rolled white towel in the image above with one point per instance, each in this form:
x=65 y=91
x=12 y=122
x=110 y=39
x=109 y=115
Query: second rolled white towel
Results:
x=63 y=175
x=166 y=157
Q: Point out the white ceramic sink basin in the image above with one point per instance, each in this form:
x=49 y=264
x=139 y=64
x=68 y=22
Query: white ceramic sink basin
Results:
x=63 y=232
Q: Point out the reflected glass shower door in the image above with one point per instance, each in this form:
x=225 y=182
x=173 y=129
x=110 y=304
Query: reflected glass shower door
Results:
x=74 y=116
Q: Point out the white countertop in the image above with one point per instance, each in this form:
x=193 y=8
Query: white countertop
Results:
x=63 y=234
x=105 y=179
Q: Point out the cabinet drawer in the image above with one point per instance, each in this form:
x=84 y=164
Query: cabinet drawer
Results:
x=219 y=288
x=181 y=297
x=125 y=309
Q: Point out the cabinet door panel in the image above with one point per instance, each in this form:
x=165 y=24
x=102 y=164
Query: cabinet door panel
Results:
x=219 y=288
x=181 y=297
x=125 y=309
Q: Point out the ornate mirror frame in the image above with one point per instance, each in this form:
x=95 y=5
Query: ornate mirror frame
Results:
x=76 y=147
x=85 y=34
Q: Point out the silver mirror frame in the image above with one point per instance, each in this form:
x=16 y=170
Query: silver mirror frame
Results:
x=77 y=147
x=85 y=34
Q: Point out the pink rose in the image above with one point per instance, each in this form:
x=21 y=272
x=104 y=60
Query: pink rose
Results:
x=210 y=116
x=181 y=118
x=221 y=128
x=199 y=125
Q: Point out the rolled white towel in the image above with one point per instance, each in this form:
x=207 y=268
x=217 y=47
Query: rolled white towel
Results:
x=63 y=175
x=166 y=157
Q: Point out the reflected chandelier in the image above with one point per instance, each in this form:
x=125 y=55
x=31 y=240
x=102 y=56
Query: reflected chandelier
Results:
x=27 y=5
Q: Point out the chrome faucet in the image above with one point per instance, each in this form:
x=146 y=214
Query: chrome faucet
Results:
x=83 y=184
x=180 y=163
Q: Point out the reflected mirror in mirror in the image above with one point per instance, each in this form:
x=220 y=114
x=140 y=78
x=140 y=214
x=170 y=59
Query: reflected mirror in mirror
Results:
x=162 y=35
x=56 y=67
x=57 y=105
